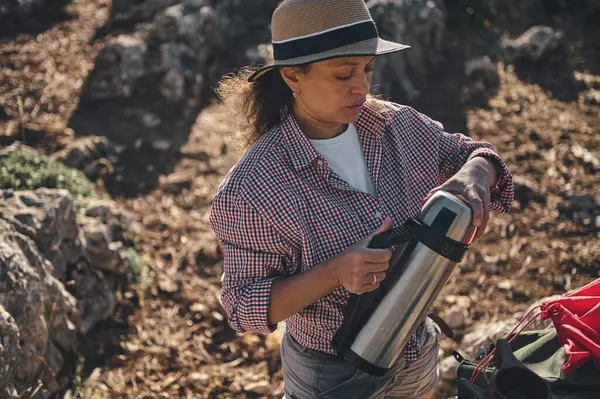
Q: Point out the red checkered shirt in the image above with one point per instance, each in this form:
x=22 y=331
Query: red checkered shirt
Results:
x=281 y=210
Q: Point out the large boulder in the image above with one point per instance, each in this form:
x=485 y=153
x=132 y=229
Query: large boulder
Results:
x=17 y=16
x=540 y=56
x=46 y=313
x=422 y=25
x=537 y=44
x=151 y=83
x=482 y=81
x=60 y=265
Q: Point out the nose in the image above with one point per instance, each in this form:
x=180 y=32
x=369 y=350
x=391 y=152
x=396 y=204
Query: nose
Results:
x=362 y=85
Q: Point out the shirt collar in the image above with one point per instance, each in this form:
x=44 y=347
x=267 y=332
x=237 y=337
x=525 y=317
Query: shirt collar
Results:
x=301 y=150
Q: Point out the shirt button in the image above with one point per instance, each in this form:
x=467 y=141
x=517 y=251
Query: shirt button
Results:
x=378 y=215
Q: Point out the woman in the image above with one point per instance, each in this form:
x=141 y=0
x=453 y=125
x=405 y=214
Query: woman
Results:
x=326 y=167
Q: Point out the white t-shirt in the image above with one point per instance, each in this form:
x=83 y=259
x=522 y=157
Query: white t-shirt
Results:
x=345 y=157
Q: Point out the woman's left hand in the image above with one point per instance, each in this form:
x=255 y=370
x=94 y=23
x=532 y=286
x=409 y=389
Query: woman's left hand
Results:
x=472 y=181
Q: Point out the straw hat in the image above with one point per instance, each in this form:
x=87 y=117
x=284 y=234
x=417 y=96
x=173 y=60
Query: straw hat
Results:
x=304 y=31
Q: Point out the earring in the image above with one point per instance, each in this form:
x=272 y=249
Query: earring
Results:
x=294 y=94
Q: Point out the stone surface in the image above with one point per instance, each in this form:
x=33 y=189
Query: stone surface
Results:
x=582 y=209
x=150 y=83
x=9 y=352
x=537 y=44
x=420 y=24
x=43 y=245
x=482 y=81
x=540 y=56
x=30 y=293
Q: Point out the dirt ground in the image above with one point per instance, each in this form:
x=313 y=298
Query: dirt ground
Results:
x=171 y=339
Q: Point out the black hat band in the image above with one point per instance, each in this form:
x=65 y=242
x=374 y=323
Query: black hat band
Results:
x=325 y=41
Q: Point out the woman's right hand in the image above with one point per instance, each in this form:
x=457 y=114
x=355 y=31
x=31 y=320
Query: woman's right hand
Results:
x=360 y=269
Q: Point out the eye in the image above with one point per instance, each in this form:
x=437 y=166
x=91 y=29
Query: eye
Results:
x=343 y=77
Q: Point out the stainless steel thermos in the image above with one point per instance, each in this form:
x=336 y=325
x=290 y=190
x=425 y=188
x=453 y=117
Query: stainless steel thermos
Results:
x=426 y=250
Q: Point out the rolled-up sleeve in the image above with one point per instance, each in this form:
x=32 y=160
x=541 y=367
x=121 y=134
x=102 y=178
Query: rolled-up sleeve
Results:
x=254 y=256
x=456 y=149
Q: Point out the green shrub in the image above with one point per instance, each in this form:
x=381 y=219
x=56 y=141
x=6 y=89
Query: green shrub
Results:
x=21 y=170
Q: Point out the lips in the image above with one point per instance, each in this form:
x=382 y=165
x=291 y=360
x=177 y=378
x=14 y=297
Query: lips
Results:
x=357 y=107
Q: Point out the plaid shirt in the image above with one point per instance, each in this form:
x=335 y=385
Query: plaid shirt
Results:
x=281 y=210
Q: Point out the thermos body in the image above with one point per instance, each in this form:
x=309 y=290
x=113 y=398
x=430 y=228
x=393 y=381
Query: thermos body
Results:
x=417 y=284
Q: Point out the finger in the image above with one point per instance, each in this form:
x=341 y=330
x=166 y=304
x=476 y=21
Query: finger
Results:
x=368 y=288
x=368 y=279
x=476 y=205
x=385 y=226
x=375 y=267
x=379 y=277
x=375 y=255
x=481 y=229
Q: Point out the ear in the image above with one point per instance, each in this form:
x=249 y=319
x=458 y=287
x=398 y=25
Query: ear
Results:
x=291 y=76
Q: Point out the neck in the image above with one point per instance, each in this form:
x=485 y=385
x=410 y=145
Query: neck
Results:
x=315 y=128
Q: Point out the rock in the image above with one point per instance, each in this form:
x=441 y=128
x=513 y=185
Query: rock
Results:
x=245 y=26
x=99 y=248
x=130 y=12
x=422 y=25
x=35 y=214
x=456 y=316
x=505 y=285
x=581 y=209
x=483 y=81
x=150 y=83
x=96 y=300
x=527 y=191
x=118 y=67
x=482 y=333
x=28 y=291
x=448 y=367
x=12 y=7
x=9 y=352
x=41 y=248
x=107 y=212
x=537 y=44
x=24 y=15
x=93 y=155
x=592 y=99
x=540 y=56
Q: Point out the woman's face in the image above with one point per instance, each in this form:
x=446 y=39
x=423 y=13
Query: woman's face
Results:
x=331 y=91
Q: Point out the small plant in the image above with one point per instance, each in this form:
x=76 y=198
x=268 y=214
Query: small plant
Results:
x=22 y=170
x=137 y=268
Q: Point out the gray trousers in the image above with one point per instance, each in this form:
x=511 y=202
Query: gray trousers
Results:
x=306 y=377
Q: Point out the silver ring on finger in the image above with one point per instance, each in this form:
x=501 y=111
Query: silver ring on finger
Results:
x=374 y=278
